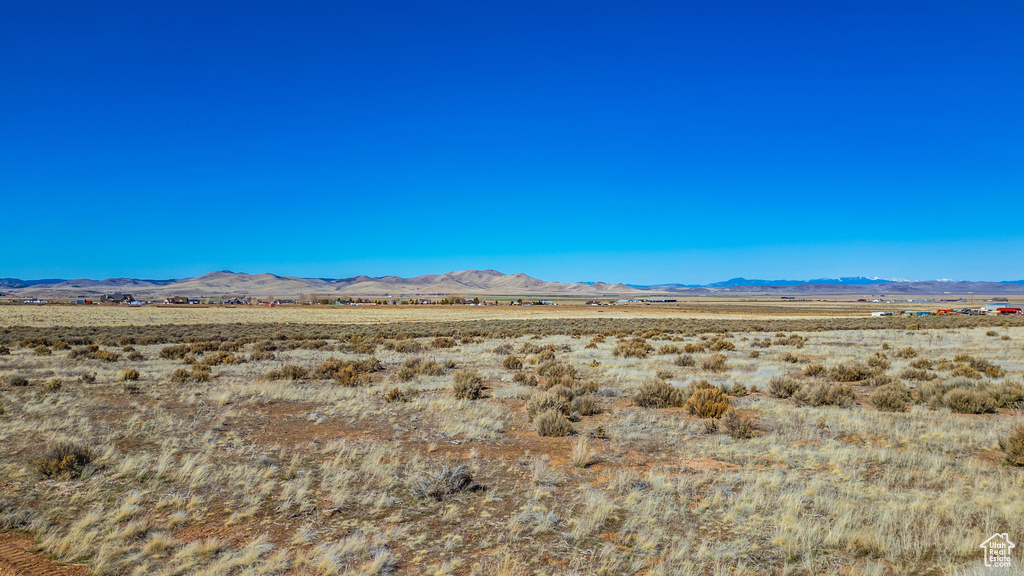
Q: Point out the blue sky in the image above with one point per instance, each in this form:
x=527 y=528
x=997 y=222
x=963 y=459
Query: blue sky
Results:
x=634 y=142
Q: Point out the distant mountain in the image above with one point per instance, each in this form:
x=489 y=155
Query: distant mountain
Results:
x=18 y=283
x=227 y=283
x=474 y=283
x=845 y=281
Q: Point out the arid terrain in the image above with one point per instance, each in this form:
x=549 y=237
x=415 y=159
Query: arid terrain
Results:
x=704 y=438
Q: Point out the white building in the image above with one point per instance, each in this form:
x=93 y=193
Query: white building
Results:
x=992 y=307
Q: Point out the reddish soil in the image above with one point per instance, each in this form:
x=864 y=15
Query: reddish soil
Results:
x=17 y=559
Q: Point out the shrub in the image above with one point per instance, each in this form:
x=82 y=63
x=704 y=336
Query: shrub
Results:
x=659 y=394
x=669 y=349
x=87 y=378
x=814 y=369
x=583 y=406
x=754 y=354
x=261 y=355
x=922 y=364
x=694 y=348
x=503 y=349
x=880 y=362
x=512 y=362
x=135 y=356
x=175 y=352
x=181 y=375
x=220 y=357
x=907 y=352
x=980 y=365
x=891 y=398
x=824 y=395
x=526 y=379
x=467 y=384
x=991 y=333
x=406 y=373
x=738 y=425
x=53 y=385
x=791 y=340
x=707 y=403
x=543 y=401
x=718 y=344
x=130 y=374
x=684 y=360
x=443 y=342
x=965 y=371
x=844 y=373
x=968 y=396
x=1006 y=394
x=42 y=350
x=877 y=380
x=557 y=374
x=1013 y=446
x=964 y=401
x=66 y=459
x=635 y=348
x=445 y=482
x=17 y=381
x=403 y=346
x=780 y=387
x=287 y=372
x=106 y=356
x=552 y=423
x=715 y=363
x=395 y=395
x=919 y=375
x=737 y=389
x=789 y=357
x=5 y=351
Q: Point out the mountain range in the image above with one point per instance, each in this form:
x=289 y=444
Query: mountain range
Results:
x=473 y=283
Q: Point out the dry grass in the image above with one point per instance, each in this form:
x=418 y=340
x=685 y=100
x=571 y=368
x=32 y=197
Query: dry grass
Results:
x=345 y=466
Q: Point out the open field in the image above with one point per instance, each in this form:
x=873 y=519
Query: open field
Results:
x=691 y=308
x=649 y=440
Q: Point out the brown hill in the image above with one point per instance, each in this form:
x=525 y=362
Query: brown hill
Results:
x=227 y=283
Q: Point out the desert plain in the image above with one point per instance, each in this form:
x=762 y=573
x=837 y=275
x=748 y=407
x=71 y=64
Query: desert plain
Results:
x=697 y=438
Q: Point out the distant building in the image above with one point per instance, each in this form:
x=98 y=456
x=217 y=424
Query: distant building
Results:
x=117 y=298
x=176 y=300
x=993 y=307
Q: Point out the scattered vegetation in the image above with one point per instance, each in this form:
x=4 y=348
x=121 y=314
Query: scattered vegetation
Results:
x=353 y=471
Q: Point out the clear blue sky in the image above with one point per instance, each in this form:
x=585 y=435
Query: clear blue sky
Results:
x=617 y=141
